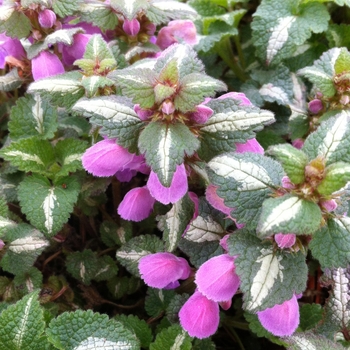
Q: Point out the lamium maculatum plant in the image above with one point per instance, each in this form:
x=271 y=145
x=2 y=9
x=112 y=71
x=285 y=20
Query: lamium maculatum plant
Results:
x=174 y=175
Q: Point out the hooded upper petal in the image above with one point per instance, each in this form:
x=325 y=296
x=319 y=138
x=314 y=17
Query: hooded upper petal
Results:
x=251 y=145
x=159 y=270
x=47 y=18
x=136 y=205
x=199 y=316
x=46 y=64
x=172 y=194
x=105 y=158
x=238 y=96
x=217 y=279
x=285 y=240
x=281 y=320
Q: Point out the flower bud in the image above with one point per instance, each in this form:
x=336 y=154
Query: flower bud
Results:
x=47 y=18
x=315 y=106
x=131 y=27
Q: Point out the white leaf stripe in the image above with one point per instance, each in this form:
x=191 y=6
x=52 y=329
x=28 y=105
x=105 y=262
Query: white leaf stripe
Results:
x=48 y=206
x=38 y=114
x=238 y=120
x=274 y=92
x=72 y=158
x=204 y=229
x=334 y=136
x=23 y=326
x=180 y=338
x=279 y=36
x=265 y=278
x=94 y=343
x=4 y=222
x=27 y=244
x=132 y=255
x=163 y=152
x=309 y=71
x=285 y=211
x=251 y=176
x=25 y=156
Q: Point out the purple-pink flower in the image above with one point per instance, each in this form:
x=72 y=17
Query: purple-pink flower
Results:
x=199 y=316
x=172 y=194
x=216 y=278
x=285 y=240
x=131 y=27
x=76 y=50
x=10 y=48
x=162 y=270
x=136 y=205
x=45 y=65
x=281 y=320
x=177 y=31
x=105 y=158
x=47 y=18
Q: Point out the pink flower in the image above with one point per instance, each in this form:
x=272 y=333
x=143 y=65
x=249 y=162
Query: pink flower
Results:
x=237 y=96
x=172 y=194
x=281 y=320
x=201 y=114
x=105 y=158
x=160 y=270
x=315 y=106
x=329 y=205
x=136 y=205
x=131 y=27
x=46 y=64
x=178 y=31
x=298 y=143
x=285 y=240
x=199 y=316
x=47 y=18
x=10 y=48
x=286 y=183
x=143 y=114
x=216 y=278
x=216 y=201
x=251 y=145
x=76 y=51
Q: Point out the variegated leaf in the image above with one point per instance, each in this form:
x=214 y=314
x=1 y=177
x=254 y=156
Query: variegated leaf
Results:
x=288 y=214
x=130 y=8
x=267 y=277
x=10 y=81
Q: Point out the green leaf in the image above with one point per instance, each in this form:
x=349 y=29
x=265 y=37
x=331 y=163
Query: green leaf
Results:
x=27 y=281
x=10 y=81
x=165 y=146
x=137 y=84
x=9 y=21
x=69 y=152
x=209 y=225
x=65 y=8
x=121 y=286
x=157 y=301
x=87 y=330
x=341 y=65
x=322 y=72
x=303 y=341
x=199 y=253
x=331 y=140
x=187 y=60
x=235 y=117
x=32 y=116
x=22 y=325
x=63 y=36
x=207 y=7
x=131 y=252
x=245 y=180
x=32 y=154
x=292 y=159
x=175 y=221
x=97 y=52
x=99 y=14
x=288 y=214
x=193 y=88
x=337 y=175
x=331 y=244
x=116 y=116
x=49 y=206
x=94 y=83
x=338 y=35
x=267 y=277
x=86 y=266
x=63 y=90
x=24 y=245
x=280 y=27
x=310 y=316
x=139 y=327
x=162 y=11
x=168 y=337
x=130 y=8
x=172 y=311
x=112 y=234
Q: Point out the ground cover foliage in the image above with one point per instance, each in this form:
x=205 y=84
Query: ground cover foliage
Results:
x=174 y=174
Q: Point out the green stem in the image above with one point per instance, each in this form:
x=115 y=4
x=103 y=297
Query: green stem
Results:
x=240 y=52
x=224 y=50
